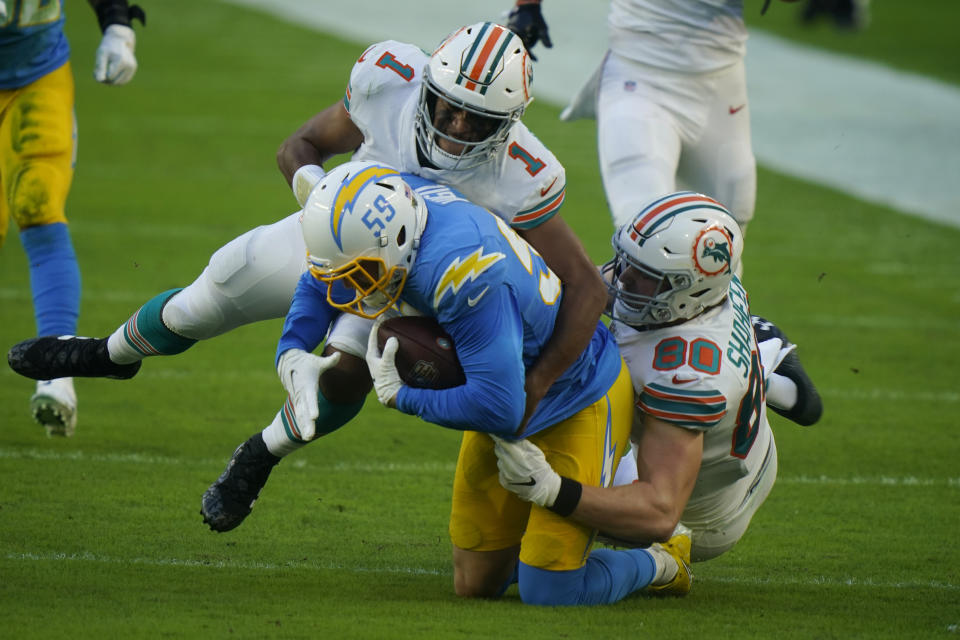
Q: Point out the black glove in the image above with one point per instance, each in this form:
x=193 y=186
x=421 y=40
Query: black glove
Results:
x=526 y=21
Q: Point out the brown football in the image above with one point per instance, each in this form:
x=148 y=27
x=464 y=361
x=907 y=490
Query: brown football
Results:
x=426 y=357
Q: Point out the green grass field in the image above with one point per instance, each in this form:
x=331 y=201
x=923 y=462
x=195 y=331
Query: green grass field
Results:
x=100 y=535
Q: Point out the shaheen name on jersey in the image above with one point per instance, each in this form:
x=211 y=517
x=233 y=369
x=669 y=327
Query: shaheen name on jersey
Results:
x=524 y=184
x=498 y=300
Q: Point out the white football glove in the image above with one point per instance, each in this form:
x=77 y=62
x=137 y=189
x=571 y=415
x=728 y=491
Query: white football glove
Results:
x=524 y=470
x=383 y=368
x=115 y=62
x=304 y=180
x=300 y=374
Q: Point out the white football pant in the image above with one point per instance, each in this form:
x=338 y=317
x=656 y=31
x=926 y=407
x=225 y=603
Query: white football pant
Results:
x=252 y=278
x=735 y=505
x=659 y=132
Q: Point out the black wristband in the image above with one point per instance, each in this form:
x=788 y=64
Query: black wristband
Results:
x=567 y=498
x=117 y=12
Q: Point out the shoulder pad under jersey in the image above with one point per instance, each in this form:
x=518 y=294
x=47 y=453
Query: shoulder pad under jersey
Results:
x=384 y=66
x=531 y=178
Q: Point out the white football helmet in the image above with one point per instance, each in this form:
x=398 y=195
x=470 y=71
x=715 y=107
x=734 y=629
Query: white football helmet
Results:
x=675 y=259
x=484 y=71
x=362 y=225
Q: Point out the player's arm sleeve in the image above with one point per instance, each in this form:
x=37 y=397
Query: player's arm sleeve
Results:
x=697 y=405
x=309 y=317
x=117 y=12
x=489 y=344
x=535 y=181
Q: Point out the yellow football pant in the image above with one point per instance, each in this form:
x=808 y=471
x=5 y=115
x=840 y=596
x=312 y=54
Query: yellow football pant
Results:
x=586 y=447
x=37 y=150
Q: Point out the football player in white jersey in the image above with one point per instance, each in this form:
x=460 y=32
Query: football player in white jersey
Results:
x=670 y=98
x=706 y=454
x=453 y=117
x=671 y=104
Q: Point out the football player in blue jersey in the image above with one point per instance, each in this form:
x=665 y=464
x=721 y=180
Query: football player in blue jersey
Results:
x=453 y=116
x=381 y=243
x=37 y=152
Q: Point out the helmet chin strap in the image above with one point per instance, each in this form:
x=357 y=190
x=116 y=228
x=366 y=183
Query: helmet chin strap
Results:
x=446 y=159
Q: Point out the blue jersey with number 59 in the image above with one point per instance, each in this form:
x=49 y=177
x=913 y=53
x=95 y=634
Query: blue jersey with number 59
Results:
x=498 y=300
x=32 y=42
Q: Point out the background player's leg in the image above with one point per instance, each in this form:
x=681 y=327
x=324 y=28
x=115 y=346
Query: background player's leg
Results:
x=38 y=170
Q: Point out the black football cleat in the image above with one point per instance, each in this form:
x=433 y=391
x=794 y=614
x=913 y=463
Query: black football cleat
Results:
x=51 y=357
x=809 y=407
x=229 y=500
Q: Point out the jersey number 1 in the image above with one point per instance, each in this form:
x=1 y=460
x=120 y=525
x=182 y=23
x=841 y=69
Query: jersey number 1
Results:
x=387 y=61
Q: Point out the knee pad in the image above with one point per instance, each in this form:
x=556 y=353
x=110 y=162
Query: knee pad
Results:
x=38 y=192
x=261 y=268
x=251 y=278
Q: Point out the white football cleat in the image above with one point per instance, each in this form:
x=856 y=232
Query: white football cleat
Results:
x=54 y=406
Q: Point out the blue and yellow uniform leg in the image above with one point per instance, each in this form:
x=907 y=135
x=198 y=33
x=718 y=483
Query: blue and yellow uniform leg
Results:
x=37 y=154
x=554 y=552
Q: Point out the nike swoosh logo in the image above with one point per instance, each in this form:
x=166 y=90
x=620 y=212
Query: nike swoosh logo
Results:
x=471 y=302
x=733 y=110
x=679 y=380
x=531 y=483
x=543 y=192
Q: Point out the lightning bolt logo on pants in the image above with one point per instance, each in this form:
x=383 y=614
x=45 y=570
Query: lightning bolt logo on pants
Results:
x=463 y=270
x=609 y=450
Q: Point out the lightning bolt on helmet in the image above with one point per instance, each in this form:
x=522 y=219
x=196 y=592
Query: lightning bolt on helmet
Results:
x=362 y=225
x=674 y=260
x=483 y=70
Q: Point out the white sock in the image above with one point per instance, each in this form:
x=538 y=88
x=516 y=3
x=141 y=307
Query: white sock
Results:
x=665 y=563
x=276 y=438
x=119 y=349
x=781 y=392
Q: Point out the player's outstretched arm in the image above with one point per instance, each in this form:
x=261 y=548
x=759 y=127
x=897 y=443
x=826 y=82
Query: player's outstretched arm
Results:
x=327 y=134
x=668 y=461
x=584 y=298
x=645 y=511
x=115 y=62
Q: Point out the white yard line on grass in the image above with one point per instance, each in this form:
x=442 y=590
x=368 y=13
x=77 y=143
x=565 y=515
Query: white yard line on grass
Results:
x=811 y=580
x=439 y=466
x=885 y=136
